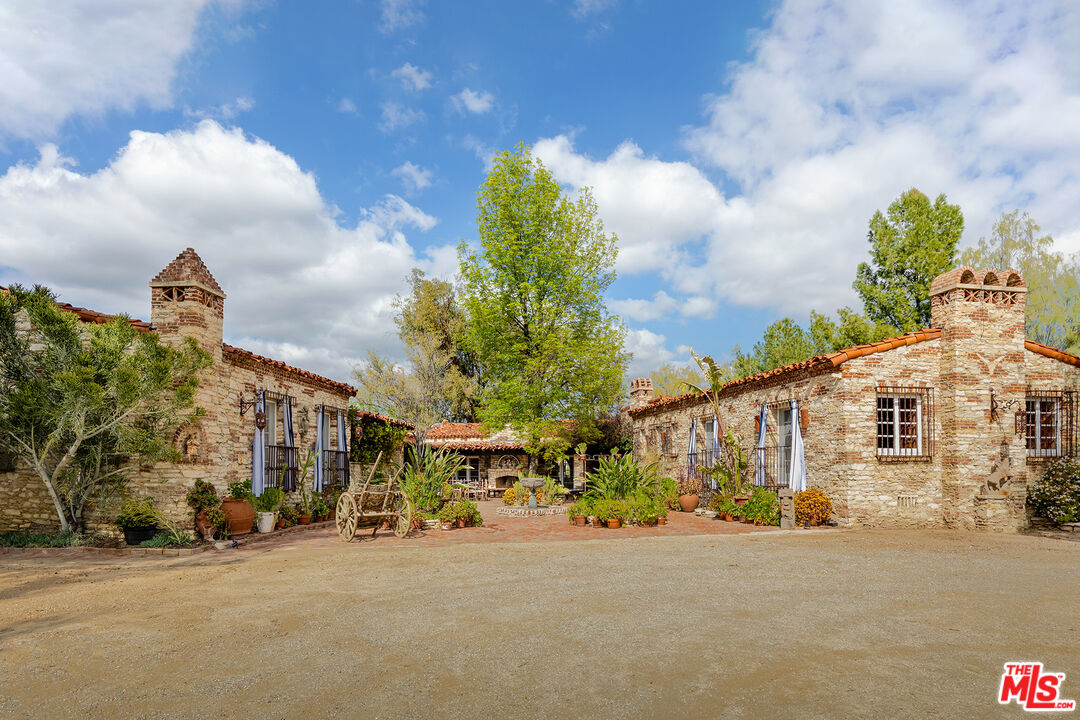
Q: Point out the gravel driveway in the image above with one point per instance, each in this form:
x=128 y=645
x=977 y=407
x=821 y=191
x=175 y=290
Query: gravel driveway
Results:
x=796 y=624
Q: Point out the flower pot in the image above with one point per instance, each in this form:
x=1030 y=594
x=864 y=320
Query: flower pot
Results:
x=815 y=522
x=614 y=523
x=661 y=520
x=240 y=513
x=748 y=521
x=305 y=519
x=447 y=526
x=579 y=520
x=741 y=500
x=689 y=502
x=134 y=536
x=280 y=524
x=332 y=515
x=266 y=521
x=460 y=523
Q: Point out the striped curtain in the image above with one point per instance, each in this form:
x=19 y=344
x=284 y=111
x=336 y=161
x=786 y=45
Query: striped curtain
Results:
x=759 y=475
x=691 y=461
x=342 y=471
x=258 y=450
x=316 y=482
x=290 y=447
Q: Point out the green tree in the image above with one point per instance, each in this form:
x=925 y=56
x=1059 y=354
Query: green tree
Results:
x=1052 y=314
x=536 y=321
x=670 y=379
x=83 y=405
x=909 y=246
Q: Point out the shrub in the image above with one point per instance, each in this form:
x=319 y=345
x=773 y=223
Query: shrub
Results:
x=426 y=480
x=1056 y=495
x=669 y=493
x=619 y=477
x=510 y=496
x=25 y=538
x=763 y=507
x=288 y=513
x=521 y=494
x=812 y=506
x=168 y=539
x=138 y=514
x=724 y=505
x=461 y=510
x=552 y=492
x=690 y=486
x=202 y=496
x=645 y=509
x=242 y=491
x=270 y=501
x=605 y=510
x=579 y=508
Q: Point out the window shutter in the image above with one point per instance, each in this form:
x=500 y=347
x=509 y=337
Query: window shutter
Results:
x=757 y=425
x=804 y=418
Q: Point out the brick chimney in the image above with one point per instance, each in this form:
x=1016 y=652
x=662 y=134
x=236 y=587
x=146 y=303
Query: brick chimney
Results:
x=186 y=301
x=641 y=392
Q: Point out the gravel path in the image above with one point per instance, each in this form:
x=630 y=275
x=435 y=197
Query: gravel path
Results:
x=796 y=624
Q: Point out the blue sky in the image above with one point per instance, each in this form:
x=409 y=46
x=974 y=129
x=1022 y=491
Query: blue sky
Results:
x=313 y=153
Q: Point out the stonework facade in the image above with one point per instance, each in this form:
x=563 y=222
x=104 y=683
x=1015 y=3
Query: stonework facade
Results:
x=940 y=427
x=186 y=301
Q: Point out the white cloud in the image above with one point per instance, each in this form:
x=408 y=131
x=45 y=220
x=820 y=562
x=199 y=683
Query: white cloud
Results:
x=345 y=105
x=649 y=351
x=400 y=14
x=413 y=177
x=301 y=286
x=484 y=152
x=412 y=78
x=644 y=310
x=396 y=116
x=843 y=106
x=472 y=101
x=88 y=57
x=584 y=8
x=225 y=111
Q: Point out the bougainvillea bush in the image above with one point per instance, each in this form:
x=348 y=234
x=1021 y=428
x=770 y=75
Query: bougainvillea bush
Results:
x=1056 y=495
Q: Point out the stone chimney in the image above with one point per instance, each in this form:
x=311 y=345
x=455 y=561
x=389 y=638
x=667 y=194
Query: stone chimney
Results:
x=186 y=301
x=982 y=384
x=641 y=392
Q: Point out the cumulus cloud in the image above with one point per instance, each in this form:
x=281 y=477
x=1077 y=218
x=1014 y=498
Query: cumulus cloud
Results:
x=413 y=177
x=225 y=111
x=649 y=351
x=412 y=78
x=841 y=107
x=400 y=14
x=347 y=106
x=301 y=286
x=474 y=102
x=396 y=116
x=642 y=310
x=90 y=58
x=582 y=9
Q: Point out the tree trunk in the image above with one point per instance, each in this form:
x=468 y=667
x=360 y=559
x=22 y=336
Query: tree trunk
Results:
x=61 y=512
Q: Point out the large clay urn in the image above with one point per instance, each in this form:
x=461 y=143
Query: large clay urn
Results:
x=689 y=502
x=241 y=515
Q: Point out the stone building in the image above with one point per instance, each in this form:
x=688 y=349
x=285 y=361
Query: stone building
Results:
x=298 y=411
x=939 y=427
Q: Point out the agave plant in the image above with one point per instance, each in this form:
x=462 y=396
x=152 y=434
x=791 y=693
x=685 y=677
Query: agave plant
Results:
x=422 y=477
x=621 y=478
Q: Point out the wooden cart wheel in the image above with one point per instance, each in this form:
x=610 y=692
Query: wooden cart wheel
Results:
x=346 y=517
x=403 y=522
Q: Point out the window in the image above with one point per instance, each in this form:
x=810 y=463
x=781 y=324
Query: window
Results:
x=468 y=473
x=1048 y=423
x=904 y=427
x=270 y=431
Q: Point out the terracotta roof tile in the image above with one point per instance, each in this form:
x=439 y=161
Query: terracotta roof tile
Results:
x=236 y=353
x=1051 y=352
x=367 y=414
x=819 y=362
x=459 y=431
x=471 y=436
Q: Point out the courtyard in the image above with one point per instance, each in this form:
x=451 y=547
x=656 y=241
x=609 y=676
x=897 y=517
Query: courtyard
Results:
x=898 y=623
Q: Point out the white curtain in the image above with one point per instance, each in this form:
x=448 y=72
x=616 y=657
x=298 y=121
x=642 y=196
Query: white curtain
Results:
x=692 y=462
x=763 y=419
x=258 y=451
x=316 y=482
x=797 y=481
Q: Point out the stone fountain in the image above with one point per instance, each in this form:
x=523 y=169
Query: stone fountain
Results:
x=532 y=484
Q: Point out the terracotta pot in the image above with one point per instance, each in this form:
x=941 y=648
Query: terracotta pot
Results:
x=729 y=517
x=461 y=522
x=661 y=520
x=579 y=520
x=748 y=521
x=689 y=502
x=241 y=515
x=305 y=519
x=815 y=522
x=447 y=526
x=332 y=515
x=741 y=500
x=614 y=523
x=280 y=524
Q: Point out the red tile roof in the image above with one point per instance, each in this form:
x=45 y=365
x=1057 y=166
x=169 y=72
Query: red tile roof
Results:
x=367 y=414
x=1054 y=353
x=471 y=436
x=457 y=431
x=239 y=354
x=819 y=362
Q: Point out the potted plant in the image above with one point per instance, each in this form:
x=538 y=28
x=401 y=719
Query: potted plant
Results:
x=662 y=519
x=239 y=508
x=202 y=498
x=812 y=507
x=266 y=508
x=138 y=519
x=287 y=517
x=577 y=512
x=319 y=510
x=689 y=493
x=303 y=504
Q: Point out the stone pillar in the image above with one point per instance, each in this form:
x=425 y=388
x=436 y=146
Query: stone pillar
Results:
x=787 y=508
x=982 y=385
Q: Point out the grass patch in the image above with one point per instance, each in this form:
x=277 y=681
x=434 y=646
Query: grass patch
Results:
x=26 y=538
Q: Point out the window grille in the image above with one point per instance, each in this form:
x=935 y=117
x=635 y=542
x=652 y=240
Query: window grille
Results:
x=1049 y=423
x=905 y=422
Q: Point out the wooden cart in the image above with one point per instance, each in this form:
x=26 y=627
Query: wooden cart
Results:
x=377 y=501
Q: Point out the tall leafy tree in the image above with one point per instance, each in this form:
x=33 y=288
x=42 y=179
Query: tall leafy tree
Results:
x=83 y=405
x=1052 y=312
x=535 y=316
x=671 y=380
x=910 y=245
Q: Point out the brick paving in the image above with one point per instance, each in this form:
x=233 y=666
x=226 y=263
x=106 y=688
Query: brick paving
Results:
x=498 y=528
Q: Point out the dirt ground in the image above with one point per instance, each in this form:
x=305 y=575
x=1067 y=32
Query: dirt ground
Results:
x=794 y=624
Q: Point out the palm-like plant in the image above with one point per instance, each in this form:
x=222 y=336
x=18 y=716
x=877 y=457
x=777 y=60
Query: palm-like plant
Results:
x=731 y=472
x=620 y=478
x=422 y=477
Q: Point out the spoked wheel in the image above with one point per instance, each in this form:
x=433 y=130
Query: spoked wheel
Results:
x=346 y=517
x=403 y=522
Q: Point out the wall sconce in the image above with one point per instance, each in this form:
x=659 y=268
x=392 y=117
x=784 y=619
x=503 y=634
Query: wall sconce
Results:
x=260 y=416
